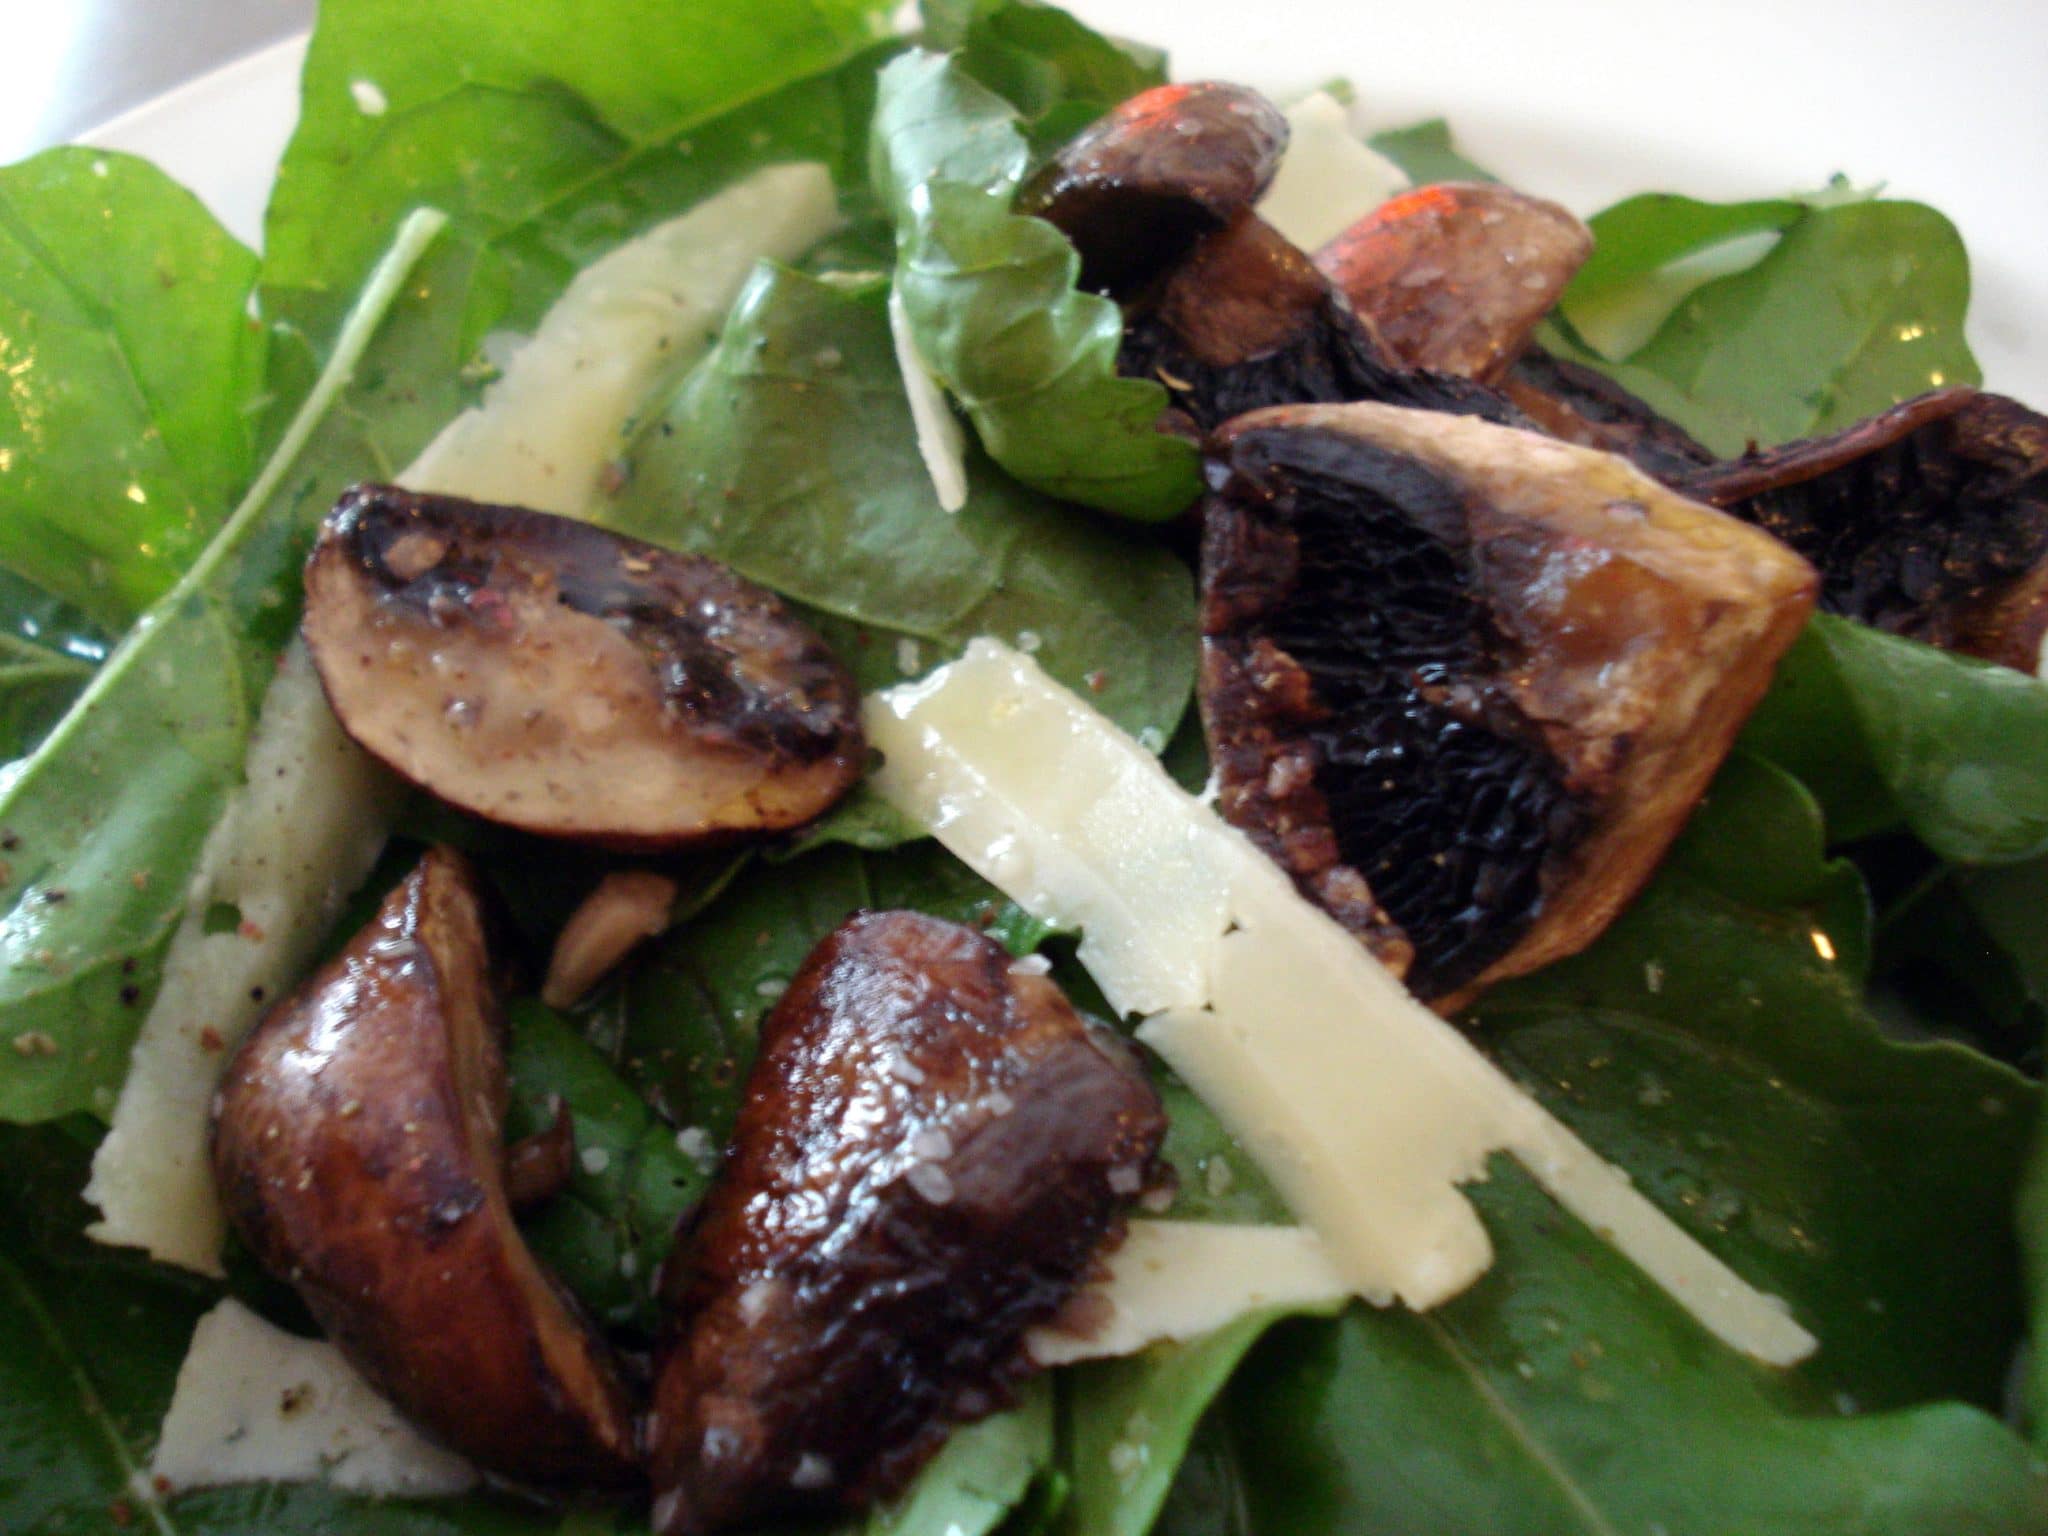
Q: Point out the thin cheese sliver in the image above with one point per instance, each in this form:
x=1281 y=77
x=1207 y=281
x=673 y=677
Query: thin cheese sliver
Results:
x=1365 y=1109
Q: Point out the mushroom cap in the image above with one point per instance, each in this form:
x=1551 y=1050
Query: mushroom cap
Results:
x=543 y=673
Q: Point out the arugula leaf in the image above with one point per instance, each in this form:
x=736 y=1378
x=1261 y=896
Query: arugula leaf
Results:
x=1856 y=307
x=789 y=454
x=992 y=306
x=1564 y=1395
x=102 y=828
x=133 y=372
x=1060 y=74
x=980 y=1475
x=1891 y=733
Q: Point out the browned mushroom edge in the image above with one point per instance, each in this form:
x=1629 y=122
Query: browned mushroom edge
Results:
x=1133 y=190
x=1454 y=276
x=1465 y=683
x=543 y=673
x=933 y=1149
x=1929 y=520
x=357 y=1144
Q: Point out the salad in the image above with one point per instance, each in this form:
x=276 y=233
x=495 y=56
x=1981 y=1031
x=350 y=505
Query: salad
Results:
x=1813 y=1038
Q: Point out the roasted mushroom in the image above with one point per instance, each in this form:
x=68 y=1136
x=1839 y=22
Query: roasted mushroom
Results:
x=932 y=1150
x=357 y=1141
x=1246 y=320
x=1575 y=404
x=1135 y=189
x=1464 y=682
x=1453 y=277
x=1929 y=520
x=543 y=673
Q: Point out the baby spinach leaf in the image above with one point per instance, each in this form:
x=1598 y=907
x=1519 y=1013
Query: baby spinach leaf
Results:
x=789 y=454
x=608 y=1232
x=102 y=827
x=1716 y=1045
x=2033 y=1228
x=978 y=1477
x=1566 y=1396
x=133 y=372
x=1427 y=153
x=1888 y=732
x=37 y=684
x=1060 y=74
x=992 y=307
x=505 y=116
x=1856 y=307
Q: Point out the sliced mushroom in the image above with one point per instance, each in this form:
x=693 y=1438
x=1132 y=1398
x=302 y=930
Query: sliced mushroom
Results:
x=548 y=675
x=627 y=906
x=1929 y=520
x=1464 y=682
x=1135 y=189
x=1454 y=276
x=933 y=1149
x=1577 y=405
x=357 y=1141
x=1246 y=320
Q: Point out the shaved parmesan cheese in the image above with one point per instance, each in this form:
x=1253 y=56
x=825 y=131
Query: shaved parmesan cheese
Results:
x=295 y=840
x=1329 y=178
x=1177 y=1280
x=1365 y=1109
x=548 y=429
x=256 y=1404
x=940 y=442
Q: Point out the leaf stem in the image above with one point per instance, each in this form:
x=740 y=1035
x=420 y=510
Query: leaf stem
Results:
x=415 y=235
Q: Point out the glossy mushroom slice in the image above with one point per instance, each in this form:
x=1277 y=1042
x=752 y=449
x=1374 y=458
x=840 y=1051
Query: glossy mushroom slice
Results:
x=1455 y=276
x=1464 y=682
x=357 y=1141
x=1136 y=188
x=543 y=673
x=932 y=1151
x=1577 y=405
x=1929 y=520
x=1246 y=320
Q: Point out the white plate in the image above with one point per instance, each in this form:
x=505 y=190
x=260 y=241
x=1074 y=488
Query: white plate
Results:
x=1584 y=100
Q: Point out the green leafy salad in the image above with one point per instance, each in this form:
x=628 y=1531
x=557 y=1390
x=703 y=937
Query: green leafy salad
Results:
x=1814 y=1040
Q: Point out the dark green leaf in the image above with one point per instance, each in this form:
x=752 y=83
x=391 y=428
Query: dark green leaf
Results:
x=1888 y=732
x=1058 y=73
x=1565 y=1396
x=990 y=300
x=1427 y=154
x=133 y=372
x=37 y=684
x=789 y=454
x=1856 y=307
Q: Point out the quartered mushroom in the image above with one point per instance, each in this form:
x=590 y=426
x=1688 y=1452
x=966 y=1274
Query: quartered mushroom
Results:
x=1576 y=404
x=1453 y=277
x=1246 y=320
x=1463 y=682
x=357 y=1142
x=932 y=1151
x=545 y=674
x=1929 y=520
x=1136 y=188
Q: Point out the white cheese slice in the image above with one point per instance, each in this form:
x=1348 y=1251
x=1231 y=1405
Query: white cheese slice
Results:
x=256 y=1404
x=547 y=430
x=1178 y=1280
x=1365 y=1109
x=940 y=442
x=1329 y=178
x=295 y=840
